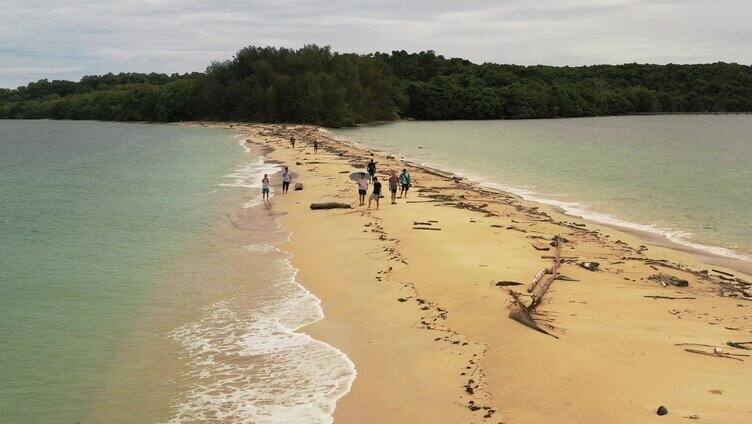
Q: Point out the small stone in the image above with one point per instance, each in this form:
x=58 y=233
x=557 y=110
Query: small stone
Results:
x=662 y=410
x=590 y=266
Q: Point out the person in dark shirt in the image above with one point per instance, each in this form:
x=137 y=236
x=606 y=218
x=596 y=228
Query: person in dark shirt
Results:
x=405 y=181
x=376 y=193
x=371 y=168
x=315 y=146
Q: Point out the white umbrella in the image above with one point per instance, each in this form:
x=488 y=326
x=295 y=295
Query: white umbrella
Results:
x=355 y=176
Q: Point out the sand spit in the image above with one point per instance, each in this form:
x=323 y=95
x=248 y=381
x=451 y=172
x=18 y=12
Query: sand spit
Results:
x=425 y=315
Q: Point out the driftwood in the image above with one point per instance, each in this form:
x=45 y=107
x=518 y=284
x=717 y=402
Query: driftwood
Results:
x=722 y=272
x=427 y=228
x=669 y=297
x=540 y=246
x=537 y=279
x=508 y=283
x=524 y=314
x=740 y=345
x=562 y=277
x=330 y=205
x=553 y=271
x=715 y=354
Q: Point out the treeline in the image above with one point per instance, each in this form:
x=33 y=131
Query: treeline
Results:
x=315 y=85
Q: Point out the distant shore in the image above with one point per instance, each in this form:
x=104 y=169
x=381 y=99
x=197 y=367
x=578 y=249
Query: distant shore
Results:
x=424 y=317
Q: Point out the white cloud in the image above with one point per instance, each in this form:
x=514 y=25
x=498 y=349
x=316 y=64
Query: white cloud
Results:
x=71 y=38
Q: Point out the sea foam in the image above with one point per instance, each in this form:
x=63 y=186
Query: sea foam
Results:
x=246 y=359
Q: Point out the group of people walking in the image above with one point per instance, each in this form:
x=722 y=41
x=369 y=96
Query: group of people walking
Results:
x=265 y=184
x=401 y=182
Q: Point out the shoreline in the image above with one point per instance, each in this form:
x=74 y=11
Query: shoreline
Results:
x=420 y=315
x=709 y=254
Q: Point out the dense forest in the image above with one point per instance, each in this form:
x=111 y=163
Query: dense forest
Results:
x=315 y=85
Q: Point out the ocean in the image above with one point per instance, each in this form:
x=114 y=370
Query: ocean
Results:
x=685 y=177
x=142 y=280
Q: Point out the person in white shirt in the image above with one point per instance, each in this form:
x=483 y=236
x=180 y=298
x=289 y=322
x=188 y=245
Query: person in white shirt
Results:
x=362 y=188
x=265 y=188
x=286 y=179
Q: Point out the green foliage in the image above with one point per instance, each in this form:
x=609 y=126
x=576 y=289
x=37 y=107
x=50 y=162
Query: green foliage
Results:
x=315 y=85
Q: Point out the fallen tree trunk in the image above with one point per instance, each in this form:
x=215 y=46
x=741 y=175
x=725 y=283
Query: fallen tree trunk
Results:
x=524 y=313
x=330 y=205
x=537 y=279
x=669 y=297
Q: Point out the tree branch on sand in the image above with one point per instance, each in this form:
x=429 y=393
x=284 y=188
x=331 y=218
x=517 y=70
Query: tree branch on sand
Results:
x=525 y=313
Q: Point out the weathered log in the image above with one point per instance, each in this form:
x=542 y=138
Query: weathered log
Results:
x=538 y=297
x=669 y=297
x=508 y=283
x=330 y=205
x=427 y=228
x=715 y=354
x=740 y=345
x=537 y=279
x=723 y=272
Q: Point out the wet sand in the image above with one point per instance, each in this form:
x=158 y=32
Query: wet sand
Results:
x=422 y=316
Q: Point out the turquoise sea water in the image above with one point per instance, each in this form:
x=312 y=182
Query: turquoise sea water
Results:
x=688 y=177
x=141 y=282
x=89 y=212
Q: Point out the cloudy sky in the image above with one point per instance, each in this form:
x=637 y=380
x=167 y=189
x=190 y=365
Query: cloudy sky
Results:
x=66 y=39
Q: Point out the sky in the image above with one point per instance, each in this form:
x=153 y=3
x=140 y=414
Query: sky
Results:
x=67 y=39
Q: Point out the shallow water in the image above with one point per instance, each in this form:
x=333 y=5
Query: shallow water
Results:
x=140 y=282
x=687 y=177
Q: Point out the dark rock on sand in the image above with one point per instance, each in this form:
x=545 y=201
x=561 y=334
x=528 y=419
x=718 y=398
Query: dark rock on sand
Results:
x=298 y=186
x=666 y=280
x=590 y=266
x=662 y=410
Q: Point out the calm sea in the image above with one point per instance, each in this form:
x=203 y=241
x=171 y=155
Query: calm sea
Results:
x=140 y=281
x=688 y=177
